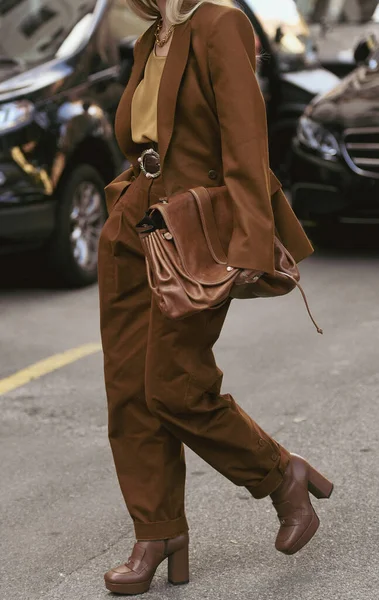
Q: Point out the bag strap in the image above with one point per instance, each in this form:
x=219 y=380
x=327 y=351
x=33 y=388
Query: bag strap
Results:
x=319 y=330
x=204 y=205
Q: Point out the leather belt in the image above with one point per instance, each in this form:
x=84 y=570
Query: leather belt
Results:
x=150 y=163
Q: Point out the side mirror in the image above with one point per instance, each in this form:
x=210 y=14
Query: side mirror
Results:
x=125 y=50
x=364 y=49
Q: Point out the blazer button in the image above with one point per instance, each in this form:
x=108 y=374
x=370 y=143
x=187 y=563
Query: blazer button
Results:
x=212 y=174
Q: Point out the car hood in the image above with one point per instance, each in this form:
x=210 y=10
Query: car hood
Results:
x=16 y=82
x=352 y=103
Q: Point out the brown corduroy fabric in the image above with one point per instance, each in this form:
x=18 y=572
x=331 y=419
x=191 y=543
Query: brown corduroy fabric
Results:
x=163 y=387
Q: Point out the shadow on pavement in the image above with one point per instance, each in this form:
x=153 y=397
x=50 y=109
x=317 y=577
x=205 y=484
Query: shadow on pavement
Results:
x=27 y=270
x=350 y=242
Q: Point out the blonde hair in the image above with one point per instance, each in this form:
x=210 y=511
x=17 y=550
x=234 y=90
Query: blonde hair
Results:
x=177 y=11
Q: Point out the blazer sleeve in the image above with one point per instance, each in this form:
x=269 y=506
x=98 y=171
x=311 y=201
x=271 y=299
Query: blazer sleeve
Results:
x=243 y=126
x=116 y=188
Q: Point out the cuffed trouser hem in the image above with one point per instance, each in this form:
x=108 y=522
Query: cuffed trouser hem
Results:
x=273 y=479
x=162 y=530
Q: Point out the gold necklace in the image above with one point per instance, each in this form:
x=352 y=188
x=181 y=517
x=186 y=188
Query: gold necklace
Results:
x=162 y=42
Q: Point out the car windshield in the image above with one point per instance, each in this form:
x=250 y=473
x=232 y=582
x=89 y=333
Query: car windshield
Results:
x=277 y=10
x=282 y=19
x=38 y=30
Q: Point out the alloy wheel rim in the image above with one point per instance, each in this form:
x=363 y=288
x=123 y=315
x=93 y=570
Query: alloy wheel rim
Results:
x=86 y=221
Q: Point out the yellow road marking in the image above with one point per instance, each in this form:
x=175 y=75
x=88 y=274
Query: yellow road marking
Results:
x=45 y=366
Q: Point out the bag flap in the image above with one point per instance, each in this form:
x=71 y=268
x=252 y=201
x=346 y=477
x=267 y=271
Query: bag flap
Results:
x=194 y=233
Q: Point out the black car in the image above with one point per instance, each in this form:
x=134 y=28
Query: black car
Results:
x=335 y=167
x=59 y=89
x=289 y=71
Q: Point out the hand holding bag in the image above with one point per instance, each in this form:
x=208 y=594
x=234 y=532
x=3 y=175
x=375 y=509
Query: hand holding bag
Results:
x=185 y=240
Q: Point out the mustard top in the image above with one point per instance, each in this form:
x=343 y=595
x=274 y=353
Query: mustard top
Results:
x=145 y=101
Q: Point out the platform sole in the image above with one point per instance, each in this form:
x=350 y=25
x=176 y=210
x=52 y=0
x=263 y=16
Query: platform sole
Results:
x=129 y=589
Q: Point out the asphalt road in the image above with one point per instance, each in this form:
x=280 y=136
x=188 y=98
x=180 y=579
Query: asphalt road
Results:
x=62 y=519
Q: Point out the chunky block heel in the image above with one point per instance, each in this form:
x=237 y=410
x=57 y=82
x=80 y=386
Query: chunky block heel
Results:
x=178 y=567
x=318 y=485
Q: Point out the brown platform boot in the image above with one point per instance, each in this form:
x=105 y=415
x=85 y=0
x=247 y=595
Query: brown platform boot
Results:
x=135 y=576
x=298 y=519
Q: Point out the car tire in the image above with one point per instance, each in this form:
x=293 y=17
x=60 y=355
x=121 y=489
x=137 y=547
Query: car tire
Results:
x=81 y=213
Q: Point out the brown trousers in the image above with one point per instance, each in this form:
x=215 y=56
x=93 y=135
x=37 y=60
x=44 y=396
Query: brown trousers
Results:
x=163 y=387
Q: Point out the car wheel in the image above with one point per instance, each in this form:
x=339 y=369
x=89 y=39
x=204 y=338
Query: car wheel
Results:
x=80 y=217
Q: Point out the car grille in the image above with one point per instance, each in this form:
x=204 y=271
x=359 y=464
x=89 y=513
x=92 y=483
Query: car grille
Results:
x=361 y=150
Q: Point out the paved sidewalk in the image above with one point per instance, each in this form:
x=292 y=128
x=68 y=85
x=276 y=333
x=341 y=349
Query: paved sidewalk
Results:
x=62 y=519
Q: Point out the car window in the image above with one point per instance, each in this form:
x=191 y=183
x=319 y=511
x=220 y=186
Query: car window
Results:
x=34 y=30
x=124 y=23
x=283 y=24
x=276 y=10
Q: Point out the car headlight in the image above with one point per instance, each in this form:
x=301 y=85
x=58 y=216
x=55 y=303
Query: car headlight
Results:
x=315 y=136
x=15 y=114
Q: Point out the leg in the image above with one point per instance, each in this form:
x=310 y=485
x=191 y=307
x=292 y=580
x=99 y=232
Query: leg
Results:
x=183 y=389
x=149 y=460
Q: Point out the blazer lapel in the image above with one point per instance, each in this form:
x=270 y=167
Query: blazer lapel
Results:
x=169 y=87
x=145 y=46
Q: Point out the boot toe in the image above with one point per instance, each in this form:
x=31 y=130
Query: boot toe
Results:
x=285 y=538
x=291 y=539
x=118 y=574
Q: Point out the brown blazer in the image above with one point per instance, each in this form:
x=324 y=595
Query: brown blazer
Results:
x=212 y=131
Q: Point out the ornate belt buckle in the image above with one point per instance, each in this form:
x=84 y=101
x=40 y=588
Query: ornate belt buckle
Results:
x=149 y=162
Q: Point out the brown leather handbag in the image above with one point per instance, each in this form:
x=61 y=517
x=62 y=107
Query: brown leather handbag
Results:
x=185 y=240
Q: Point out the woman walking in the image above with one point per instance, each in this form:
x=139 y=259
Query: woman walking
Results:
x=193 y=101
